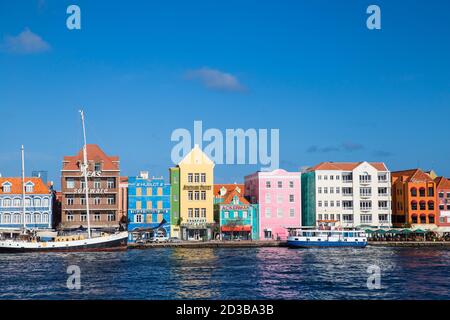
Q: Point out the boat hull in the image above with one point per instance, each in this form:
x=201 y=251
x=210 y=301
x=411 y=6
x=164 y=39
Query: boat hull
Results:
x=311 y=244
x=109 y=243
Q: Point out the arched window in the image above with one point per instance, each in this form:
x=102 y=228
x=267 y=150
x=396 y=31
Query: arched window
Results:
x=37 y=202
x=45 y=202
x=6 y=202
x=414 y=218
x=431 y=218
x=27 y=202
x=413 y=192
x=45 y=218
x=27 y=218
x=37 y=218
x=430 y=205
x=17 y=218
x=422 y=205
x=422 y=192
x=413 y=205
x=423 y=218
x=6 y=218
x=17 y=202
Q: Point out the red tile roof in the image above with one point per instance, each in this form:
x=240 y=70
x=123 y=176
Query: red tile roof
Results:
x=229 y=197
x=16 y=185
x=230 y=187
x=346 y=166
x=442 y=183
x=412 y=175
x=94 y=153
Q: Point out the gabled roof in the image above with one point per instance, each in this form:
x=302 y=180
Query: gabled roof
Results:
x=412 y=175
x=94 y=153
x=346 y=166
x=16 y=185
x=196 y=156
x=229 y=197
x=229 y=188
x=442 y=183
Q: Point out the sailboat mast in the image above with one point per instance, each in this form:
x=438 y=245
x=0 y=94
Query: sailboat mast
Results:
x=23 y=188
x=85 y=174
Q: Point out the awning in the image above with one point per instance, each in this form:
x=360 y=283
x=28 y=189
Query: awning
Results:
x=236 y=228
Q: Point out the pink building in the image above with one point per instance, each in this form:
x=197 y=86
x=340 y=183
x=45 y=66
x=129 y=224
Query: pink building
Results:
x=278 y=194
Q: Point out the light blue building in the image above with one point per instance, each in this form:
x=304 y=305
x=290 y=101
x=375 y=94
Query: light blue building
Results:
x=148 y=207
x=38 y=204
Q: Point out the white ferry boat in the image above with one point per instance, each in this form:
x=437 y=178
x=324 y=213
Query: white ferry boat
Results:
x=326 y=236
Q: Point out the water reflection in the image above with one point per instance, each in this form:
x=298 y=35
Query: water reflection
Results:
x=253 y=273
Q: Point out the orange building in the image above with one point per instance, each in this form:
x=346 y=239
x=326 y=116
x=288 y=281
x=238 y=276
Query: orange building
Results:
x=413 y=198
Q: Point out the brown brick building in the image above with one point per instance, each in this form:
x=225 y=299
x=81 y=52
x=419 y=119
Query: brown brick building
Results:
x=103 y=185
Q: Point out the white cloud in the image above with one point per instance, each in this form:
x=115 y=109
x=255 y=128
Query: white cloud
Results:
x=25 y=42
x=215 y=79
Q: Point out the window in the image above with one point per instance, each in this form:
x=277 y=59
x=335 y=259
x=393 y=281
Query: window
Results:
x=17 y=202
x=365 y=178
x=83 y=184
x=422 y=205
x=96 y=216
x=190 y=213
x=382 y=191
x=37 y=202
x=111 y=199
x=347 y=191
x=291 y=184
x=196 y=213
x=441 y=194
x=338 y=190
x=203 y=212
x=268 y=200
x=111 y=183
x=347 y=218
x=337 y=177
x=430 y=205
x=291 y=198
x=441 y=207
x=197 y=195
x=27 y=202
x=97 y=184
x=383 y=218
x=431 y=218
x=338 y=203
x=69 y=200
x=383 y=205
x=235 y=200
x=331 y=203
x=70 y=183
x=448 y=195
x=365 y=191
x=280 y=198
x=319 y=177
x=325 y=190
x=422 y=192
x=70 y=218
x=347 y=205
x=83 y=217
x=331 y=177
x=196 y=177
x=325 y=203
x=83 y=200
x=291 y=212
x=430 y=191
x=365 y=205
x=244 y=214
x=190 y=195
x=268 y=212
x=280 y=212
x=325 y=177
x=280 y=184
x=319 y=190
x=203 y=195
x=331 y=190
x=190 y=180
x=29 y=187
x=97 y=200
x=97 y=166
x=268 y=185
x=111 y=217
x=366 y=218
x=382 y=177
x=7 y=202
x=347 y=177
x=45 y=202
x=319 y=204
x=413 y=192
x=203 y=178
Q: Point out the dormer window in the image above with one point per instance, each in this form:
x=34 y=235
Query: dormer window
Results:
x=98 y=166
x=6 y=187
x=29 y=187
x=223 y=191
x=235 y=200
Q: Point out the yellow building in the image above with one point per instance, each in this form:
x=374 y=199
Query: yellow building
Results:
x=196 y=195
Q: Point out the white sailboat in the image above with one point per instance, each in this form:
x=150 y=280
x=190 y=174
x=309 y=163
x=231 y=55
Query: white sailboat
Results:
x=29 y=240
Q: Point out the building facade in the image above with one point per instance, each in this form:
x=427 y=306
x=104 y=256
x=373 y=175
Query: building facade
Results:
x=196 y=180
x=123 y=200
x=350 y=194
x=237 y=217
x=148 y=207
x=174 y=174
x=443 y=201
x=278 y=194
x=38 y=203
x=103 y=187
x=413 y=198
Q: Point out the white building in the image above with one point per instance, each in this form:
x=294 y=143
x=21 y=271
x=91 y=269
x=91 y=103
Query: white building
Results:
x=353 y=193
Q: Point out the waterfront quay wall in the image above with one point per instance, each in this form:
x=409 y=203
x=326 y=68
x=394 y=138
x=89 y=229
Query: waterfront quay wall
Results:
x=210 y=244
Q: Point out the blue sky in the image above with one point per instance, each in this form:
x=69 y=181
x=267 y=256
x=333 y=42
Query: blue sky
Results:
x=140 y=69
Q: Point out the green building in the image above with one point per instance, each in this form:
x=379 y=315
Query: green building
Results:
x=309 y=199
x=175 y=201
